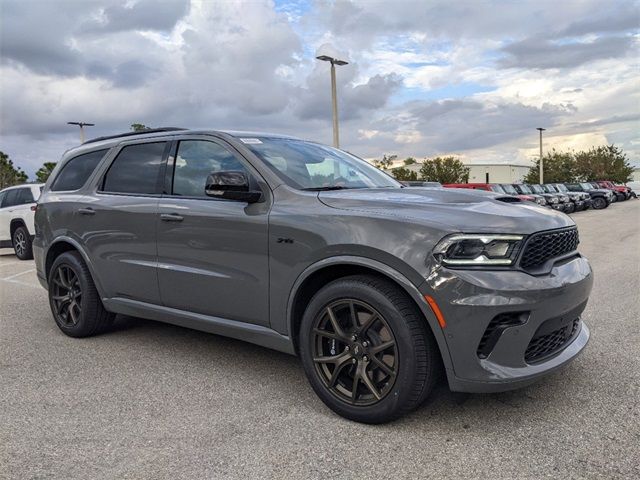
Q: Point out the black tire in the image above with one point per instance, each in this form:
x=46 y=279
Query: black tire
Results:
x=73 y=298
x=416 y=359
x=21 y=241
x=599 y=203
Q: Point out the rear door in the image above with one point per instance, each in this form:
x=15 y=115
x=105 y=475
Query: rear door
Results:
x=118 y=223
x=212 y=253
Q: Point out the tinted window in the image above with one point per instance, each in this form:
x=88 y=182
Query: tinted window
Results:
x=2 y=195
x=24 y=196
x=76 y=171
x=135 y=169
x=195 y=160
x=11 y=199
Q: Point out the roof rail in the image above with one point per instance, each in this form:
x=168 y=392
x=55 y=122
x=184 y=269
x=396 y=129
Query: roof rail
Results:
x=131 y=134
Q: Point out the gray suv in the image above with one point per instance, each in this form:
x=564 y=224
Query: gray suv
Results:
x=309 y=250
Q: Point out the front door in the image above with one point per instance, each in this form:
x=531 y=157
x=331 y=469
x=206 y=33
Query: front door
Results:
x=212 y=253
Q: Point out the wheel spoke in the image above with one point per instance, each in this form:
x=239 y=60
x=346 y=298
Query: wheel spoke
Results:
x=57 y=298
x=354 y=388
x=383 y=346
x=369 y=384
x=339 y=358
x=367 y=324
x=334 y=323
x=336 y=372
x=354 y=317
x=324 y=333
x=72 y=313
x=382 y=366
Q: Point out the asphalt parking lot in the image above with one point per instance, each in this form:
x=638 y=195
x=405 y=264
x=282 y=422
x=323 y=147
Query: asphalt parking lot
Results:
x=149 y=400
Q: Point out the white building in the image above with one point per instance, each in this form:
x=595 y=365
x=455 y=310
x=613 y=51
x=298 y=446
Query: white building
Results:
x=490 y=172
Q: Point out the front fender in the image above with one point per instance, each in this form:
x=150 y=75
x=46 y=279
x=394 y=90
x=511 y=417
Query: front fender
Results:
x=386 y=270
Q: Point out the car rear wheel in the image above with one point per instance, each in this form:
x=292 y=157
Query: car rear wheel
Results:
x=74 y=300
x=367 y=350
x=22 y=243
x=599 y=203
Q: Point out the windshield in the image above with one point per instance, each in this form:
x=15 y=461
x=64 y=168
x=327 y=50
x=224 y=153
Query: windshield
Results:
x=586 y=186
x=311 y=166
x=550 y=188
x=496 y=188
x=509 y=189
x=561 y=188
x=524 y=189
x=537 y=189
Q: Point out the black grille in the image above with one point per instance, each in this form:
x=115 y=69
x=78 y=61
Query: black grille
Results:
x=546 y=344
x=546 y=245
x=495 y=328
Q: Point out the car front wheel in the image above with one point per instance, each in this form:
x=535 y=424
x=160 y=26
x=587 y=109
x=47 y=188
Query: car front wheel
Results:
x=599 y=203
x=367 y=350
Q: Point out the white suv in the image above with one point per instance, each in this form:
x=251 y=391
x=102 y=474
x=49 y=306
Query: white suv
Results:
x=17 y=209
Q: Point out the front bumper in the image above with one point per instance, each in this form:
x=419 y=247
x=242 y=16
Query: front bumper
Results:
x=470 y=300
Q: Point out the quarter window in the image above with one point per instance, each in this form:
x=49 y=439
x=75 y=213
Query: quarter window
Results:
x=136 y=169
x=196 y=159
x=76 y=171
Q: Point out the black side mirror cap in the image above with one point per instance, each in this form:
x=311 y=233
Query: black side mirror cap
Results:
x=231 y=185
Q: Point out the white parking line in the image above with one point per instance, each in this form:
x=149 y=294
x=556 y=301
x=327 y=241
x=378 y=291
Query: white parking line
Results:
x=10 y=277
x=11 y=263
x=24 y=284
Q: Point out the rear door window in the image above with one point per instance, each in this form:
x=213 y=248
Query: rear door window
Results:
x=77 y=171
x=136 y=169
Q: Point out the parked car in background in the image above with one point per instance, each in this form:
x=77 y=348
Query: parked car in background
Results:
x=523 y=189
x=306 y=249
x=615 y=196
x=553 y=199
x=567 y=204
x=600 y=197
x=17 y=208
x=622 y=192
x=582 y=200
x=511 y=190
x=491 y=187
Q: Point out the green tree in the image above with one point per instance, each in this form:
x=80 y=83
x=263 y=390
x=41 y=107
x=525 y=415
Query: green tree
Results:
x=606 y=162
x=403 y=173
x=444 y=170
x=139 y=127
x=558 y=167
x=45 y=170
x=409 y=161
x=10 y=175
x=385 y=163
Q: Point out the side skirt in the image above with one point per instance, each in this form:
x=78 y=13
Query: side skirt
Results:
x=247 y=332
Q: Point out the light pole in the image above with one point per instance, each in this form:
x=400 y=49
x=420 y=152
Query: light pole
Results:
x=334 y=99
x=540 y=129
x=81 y=125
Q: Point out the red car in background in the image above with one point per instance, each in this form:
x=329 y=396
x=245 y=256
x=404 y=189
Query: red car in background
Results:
x=617 y=189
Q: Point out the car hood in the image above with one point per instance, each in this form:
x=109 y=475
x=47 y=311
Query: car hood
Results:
x=456 y=209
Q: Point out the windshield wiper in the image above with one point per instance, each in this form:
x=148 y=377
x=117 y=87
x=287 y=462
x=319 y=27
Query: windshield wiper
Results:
x=326 y=189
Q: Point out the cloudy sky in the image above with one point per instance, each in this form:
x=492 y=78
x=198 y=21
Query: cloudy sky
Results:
x=472 y=78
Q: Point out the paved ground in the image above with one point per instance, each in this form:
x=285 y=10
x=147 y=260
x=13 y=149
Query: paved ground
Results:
x=155 y=401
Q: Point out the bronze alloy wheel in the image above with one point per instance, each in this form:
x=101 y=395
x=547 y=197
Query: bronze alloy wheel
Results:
x=66 y=296
x=354 y=352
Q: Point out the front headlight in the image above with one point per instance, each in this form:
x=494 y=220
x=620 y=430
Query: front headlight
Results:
x=555 y=200
x=541 y=201
x=478 y=249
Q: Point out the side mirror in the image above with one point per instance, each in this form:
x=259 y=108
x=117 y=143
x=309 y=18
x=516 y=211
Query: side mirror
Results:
x=231 y=185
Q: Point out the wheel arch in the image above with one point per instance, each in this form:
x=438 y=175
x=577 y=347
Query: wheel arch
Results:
x=333 y=268
x=15 y=224
x=66 y=244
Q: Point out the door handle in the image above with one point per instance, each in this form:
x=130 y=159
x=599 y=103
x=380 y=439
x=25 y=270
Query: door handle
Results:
x=171 y=217
x=86 y=211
